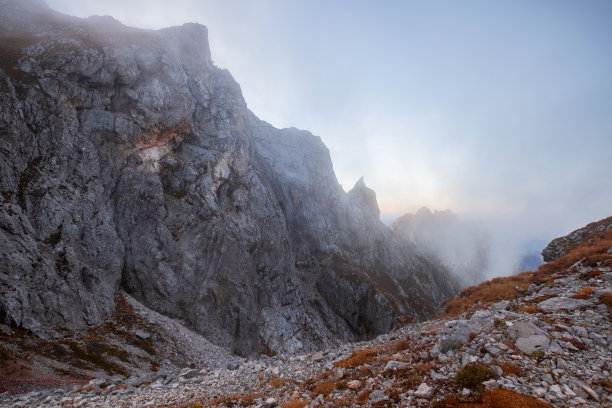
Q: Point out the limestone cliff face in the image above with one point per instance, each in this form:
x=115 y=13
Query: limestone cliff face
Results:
x=128 y=160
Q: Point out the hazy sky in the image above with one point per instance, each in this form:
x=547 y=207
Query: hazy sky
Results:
x=495 y=109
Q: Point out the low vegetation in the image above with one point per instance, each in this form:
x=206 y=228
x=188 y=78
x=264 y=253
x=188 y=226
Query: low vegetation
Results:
x=585 y=293
x=359 y=358
x=294 y=404
x=509 y=368
x=472 y=376
x=493 y=398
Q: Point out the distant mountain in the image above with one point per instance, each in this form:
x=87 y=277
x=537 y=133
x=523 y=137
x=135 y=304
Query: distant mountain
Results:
x=458 y=245
x=530 y=262
x=128 y=161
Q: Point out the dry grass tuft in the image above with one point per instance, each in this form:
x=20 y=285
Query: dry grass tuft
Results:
x=473 y=375
x=359 y=358
x=242 y=399
x=324 y=387
x=277 y=382
x=400 y=345
x=510 y=368
x=528 y=308
x=606 y=299
x=294 y=404
x=493 y=398
x=585 y=293
x=363 y=397
x=605 y=383
x=341 y=386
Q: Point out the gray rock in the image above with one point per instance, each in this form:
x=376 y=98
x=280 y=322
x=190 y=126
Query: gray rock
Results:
x=499 y=306
x=590 y=392
x=539 y=392
x=424 y=391
x=555 y=348
x=497 y=370
x=188 y=373
x=377 y=395
x=458 y=332
x=524 y=329
x=142 y=335
x=562 y=303
x=533 y=343
x=599 y=339
x=394 y=365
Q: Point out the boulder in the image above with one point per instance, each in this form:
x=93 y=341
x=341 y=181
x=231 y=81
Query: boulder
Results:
x=562 y=303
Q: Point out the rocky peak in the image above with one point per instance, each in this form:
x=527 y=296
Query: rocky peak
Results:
x=363 y=197
x=563 y=245
x=32 y=7
x=423 y=212
x=19 y=16
x=190 y=44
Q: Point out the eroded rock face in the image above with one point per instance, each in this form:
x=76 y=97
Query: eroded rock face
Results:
x=128 y=160
x=563 y=245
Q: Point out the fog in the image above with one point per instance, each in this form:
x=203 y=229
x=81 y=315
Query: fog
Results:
x=499 y=111
x=466 y=248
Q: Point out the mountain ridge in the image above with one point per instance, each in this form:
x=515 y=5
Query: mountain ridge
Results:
x=129 y=161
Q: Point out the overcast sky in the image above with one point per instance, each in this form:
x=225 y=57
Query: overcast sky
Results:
x=500 y=110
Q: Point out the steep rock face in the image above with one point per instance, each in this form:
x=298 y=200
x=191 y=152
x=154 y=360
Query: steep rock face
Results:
x=128 y=160
x=563 y=245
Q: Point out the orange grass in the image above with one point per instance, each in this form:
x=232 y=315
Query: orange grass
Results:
x=606 y=299
x=510 y=368
x=359 y=358
x=583 y=294
x=325 y=387
x=294 y=404
x=493 y=398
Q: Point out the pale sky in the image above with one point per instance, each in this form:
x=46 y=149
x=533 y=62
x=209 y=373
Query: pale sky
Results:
x=498 y=110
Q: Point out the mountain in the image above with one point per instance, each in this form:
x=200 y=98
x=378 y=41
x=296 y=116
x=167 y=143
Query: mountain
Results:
x=130 y=163
x=539 y=339
x=458 y=245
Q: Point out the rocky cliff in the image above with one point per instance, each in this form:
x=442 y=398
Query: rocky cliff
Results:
x=587 y=235
x=129 y=161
